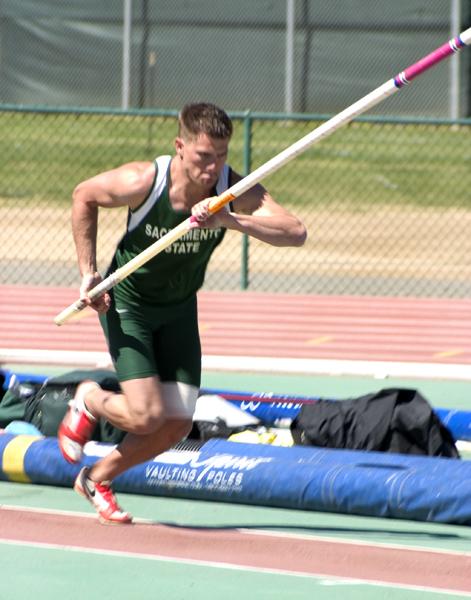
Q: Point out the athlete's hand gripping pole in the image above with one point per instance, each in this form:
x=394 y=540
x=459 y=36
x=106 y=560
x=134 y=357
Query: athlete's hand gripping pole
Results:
x=324 y=130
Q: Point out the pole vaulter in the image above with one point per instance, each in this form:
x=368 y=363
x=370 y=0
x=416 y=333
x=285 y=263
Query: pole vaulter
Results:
x=324 y=130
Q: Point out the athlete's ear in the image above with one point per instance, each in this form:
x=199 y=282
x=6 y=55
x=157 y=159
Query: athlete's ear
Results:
x=179 y=145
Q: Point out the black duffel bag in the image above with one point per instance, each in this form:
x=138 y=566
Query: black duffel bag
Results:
x=391 y=420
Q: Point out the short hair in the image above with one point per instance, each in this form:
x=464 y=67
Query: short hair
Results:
x=203 y=117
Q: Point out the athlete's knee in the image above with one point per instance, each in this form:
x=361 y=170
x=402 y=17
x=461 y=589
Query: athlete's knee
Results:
x=145 y=421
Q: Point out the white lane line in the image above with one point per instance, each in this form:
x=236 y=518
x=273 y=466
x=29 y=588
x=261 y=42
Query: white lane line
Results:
x=323 y=579
x=259 y=364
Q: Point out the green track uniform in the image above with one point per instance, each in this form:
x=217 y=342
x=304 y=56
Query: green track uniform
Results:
x=152 y=325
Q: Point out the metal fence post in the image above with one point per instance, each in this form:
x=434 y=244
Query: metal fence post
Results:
x=244 y=267
x=126 y=66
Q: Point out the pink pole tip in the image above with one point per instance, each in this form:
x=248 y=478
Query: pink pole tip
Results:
x=428 y=61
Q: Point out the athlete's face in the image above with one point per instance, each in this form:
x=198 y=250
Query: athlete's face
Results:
x=202 y=158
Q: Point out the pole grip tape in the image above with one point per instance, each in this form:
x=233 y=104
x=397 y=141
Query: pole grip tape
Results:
x=220 y=201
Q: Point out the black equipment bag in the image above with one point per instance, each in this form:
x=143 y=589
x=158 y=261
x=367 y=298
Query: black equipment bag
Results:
x=391 y=420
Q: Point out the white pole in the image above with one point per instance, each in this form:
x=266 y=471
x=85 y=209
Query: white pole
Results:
x=126 y=75
x=289 y=64
x=455 y=83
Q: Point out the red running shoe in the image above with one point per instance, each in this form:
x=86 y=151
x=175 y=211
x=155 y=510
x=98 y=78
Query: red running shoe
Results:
x=77 y=426
x=101 y=497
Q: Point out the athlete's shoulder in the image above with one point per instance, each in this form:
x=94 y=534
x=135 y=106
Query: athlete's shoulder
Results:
x=134 y=179
x=135 y=172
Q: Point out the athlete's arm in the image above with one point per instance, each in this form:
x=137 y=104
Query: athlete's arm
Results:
x=127 y=185
x=257 y=214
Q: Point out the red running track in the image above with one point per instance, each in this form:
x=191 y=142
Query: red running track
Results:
x=268 y=325
x=255 y=550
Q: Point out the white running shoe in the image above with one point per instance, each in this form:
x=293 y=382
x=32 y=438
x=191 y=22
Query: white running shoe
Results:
x=101 y=496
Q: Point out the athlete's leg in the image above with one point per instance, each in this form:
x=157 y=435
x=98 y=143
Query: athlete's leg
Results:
x=94 y=483
x=138 y=409
x=147 y=436
x=136 y=449
x=156 y=410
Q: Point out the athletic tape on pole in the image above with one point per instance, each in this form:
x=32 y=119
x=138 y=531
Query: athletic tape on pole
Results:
x=362 y=483
x=326 y=129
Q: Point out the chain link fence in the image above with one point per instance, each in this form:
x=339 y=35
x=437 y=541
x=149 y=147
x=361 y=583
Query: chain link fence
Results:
x=386 y=202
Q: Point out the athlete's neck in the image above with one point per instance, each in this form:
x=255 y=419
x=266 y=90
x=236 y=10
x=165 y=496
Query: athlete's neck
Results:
x=184 y=193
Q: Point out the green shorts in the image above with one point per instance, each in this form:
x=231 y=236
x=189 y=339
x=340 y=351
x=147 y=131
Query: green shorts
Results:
x=154 y=340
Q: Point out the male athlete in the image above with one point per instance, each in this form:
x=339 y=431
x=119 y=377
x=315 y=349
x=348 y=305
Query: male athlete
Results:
x=150 y=318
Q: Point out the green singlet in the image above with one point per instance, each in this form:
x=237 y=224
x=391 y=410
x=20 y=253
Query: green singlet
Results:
x=152 y=325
